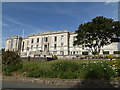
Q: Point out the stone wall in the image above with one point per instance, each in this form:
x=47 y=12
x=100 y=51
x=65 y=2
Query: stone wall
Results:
x=36 y=59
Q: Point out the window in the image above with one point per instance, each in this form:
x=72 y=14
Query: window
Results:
x=32 y=40
x=37 y=40
x=11 y=43
x=62 y=52
x=55 y=46
x=55 y=52
x=46 y=39
x=61 y=44
x=55 y=38
x=27 y=48
x=37 y=47
x=31 y=46
x=27 y=42
x=74 y=38
x=62 y=38
x=23 y=46
x=73 y=52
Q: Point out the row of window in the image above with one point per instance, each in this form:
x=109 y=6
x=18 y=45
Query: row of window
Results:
x=46 y=39
x=55 y=46
x=61 y=52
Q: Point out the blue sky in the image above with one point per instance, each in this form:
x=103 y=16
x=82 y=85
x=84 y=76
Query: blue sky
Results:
x=44 y=16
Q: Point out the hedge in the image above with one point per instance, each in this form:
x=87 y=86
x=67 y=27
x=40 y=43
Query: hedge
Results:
x=116 y=52
x=84 y=53
x=105 y=52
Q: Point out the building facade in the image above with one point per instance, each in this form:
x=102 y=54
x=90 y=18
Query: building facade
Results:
x=50 y=43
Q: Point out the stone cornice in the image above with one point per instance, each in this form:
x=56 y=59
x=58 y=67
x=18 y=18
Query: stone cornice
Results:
x=49 y=33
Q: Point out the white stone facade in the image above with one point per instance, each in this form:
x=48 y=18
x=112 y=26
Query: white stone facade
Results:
x=50 y=43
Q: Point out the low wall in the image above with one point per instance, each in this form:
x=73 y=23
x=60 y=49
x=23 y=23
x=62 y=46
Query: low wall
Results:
x=36 y=59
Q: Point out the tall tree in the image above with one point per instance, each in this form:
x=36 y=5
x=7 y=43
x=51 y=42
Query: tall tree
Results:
x=97 y=33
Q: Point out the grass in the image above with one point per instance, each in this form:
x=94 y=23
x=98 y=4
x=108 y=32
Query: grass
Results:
x=46 y=65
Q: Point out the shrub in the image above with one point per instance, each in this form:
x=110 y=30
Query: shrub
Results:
x=115 y=65
x=98 y=71
x=105 y=52
x=110 y=57
x=11 y=62
x=116 y=52
x=95 y=53
x=84 y=53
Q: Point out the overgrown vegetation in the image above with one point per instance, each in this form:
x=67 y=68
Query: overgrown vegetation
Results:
x=71 y=69
x=11 y=62
x=100 y=70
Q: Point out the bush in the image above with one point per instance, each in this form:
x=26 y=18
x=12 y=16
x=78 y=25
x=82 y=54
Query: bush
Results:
x=95 y=53
x=116 y=52
x=11 y=62
x=105 y=52
x=84 y=53
x=98 y=71
x=110 y=57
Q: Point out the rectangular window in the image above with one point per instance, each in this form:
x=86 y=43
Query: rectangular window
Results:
x=61 y=44
x=46 y=39
x=37 y=47
x=23 y=46
x=62 y=38
x=55 y=52
x=55 y=38
x=55 y=46
x=27 y=43
x=62 y=52
x=74 y=38
x=11 y=43
x=32 y=40
x=31 y=46
x=37 y=40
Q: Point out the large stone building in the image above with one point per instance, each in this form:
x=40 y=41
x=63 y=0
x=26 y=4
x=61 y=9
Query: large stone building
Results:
x=50 y=43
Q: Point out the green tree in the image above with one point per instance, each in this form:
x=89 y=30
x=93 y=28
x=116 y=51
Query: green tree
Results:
x=11 y=61
x=97 y=33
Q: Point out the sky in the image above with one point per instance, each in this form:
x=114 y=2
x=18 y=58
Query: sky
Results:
x=37 y=17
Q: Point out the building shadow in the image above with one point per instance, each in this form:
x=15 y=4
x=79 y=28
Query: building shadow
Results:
x=96 y=84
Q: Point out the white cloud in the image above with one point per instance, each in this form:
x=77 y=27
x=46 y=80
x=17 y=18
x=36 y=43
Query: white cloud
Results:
x=5 y=25
x=20 y=23
x=110 y=1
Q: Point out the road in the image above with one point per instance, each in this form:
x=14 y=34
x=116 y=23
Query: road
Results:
x=15 y=84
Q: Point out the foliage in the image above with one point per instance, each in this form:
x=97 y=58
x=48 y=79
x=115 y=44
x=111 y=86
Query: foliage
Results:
x=97 y=33
x=116 y=52
x=98 y=71
x=84 y=53
x=11 y=62
x=71 y=69
x=95 y=53
x=65 y=70
x=115 y=65
x=105 y=52
x=110 y=57
x=41 y=73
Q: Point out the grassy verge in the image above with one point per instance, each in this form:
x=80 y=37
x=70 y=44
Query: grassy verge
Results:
x=69 y=69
